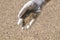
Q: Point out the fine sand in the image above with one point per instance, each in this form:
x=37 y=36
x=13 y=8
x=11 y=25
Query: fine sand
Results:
x=46 y=27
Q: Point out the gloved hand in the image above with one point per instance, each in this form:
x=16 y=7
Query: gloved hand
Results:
x=28 y=6
x=31 y=5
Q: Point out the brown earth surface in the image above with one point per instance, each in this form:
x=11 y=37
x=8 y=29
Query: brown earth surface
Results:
x=46 y=27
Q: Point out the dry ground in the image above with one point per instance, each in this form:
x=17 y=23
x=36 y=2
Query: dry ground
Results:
x=47 y=26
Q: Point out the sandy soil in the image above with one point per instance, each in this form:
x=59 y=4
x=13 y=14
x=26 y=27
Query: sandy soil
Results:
x=46 y=27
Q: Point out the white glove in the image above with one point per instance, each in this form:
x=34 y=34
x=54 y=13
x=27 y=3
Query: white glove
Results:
x=31 y=5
